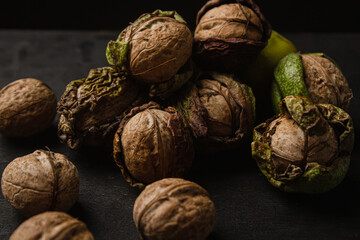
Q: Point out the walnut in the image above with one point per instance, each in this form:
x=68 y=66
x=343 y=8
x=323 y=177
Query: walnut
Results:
x=174 y=208
x=27 y=107
x=51 y=226
x=152 y=143
x=39 y=182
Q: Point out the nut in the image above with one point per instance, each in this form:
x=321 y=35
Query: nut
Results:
x=152 y=143
x=307 y=148
x=312 y=75
x=229 y=34
x=27 y=107
x=52 y=226
x=174 y=208
x=39 y=182
x=91 y=108
x=153 y=48
x=220 y=111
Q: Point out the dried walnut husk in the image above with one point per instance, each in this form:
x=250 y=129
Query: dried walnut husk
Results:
x=220 y=111
x=39 y=182
x=306 y=148
x=27 y=107
x=229 y=34
x=152 y=143
x=91 y=108
x=312 y=75
x=174 y=208
x=153 y=48
x=52 y=226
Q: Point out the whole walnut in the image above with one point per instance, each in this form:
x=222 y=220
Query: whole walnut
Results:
x=312 y=75
x=306 y=148
x=229 y=34
x=152 y=143
x=52 y=226
x=220 y=111
x=27 y=107
x=40 y=181
x=153 y=48
x=174 y=208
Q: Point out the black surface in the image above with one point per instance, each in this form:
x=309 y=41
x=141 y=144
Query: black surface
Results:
x=284 y=15
x=248 y=207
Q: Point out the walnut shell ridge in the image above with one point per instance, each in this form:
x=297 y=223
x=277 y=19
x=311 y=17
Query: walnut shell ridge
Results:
x=39 y=182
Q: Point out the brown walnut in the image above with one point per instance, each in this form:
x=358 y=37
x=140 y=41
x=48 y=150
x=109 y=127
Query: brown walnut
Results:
x=152 y=143
x=27 y=107
x=39 y=182
x=325 y=81
x=52 y=226
x=174 y=208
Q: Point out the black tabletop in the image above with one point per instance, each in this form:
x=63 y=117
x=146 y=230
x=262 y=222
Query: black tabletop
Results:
x=248 y=207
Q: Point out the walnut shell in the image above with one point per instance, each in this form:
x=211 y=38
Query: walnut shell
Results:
x=39 y=182
x=152 y=143
x=229 y=34
x=155 y=46
x=52 y=226
x=27 y=107
x=174 y=208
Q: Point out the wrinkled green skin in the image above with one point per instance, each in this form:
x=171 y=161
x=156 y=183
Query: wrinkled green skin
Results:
x=312 y=119
x=91 y=108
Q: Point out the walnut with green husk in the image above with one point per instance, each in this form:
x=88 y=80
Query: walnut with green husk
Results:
x=312 y=75
x=40 y=181
x=174 y=208
x=91 y=108
x=306 y=148
x=27 y=107
x=220 y=111
x=153 y=48
x=152 y=143
x=52 y=226
x=229 y=34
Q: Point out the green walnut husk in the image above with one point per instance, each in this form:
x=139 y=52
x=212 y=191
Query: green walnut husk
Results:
x=91 y=108
x=219 y=110
x=229 y=34
x=153 y=48
x=306 y=148
x=312 y=75
x=152 y=143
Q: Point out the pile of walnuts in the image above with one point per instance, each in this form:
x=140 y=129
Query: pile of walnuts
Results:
x=168 y=93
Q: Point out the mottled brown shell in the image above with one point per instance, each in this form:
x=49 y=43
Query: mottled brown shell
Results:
x=220 y=111
x=152 y=143
x=52 y=226
x=27 y=107
x=229 y=34
x=174 y=208
x=159 y=47
x=39 y=182
x=325 y=81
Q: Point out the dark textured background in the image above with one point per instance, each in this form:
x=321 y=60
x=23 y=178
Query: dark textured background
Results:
x=248 y=207
x=285 y=15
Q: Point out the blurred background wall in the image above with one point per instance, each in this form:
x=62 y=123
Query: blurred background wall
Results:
x=284 y=15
